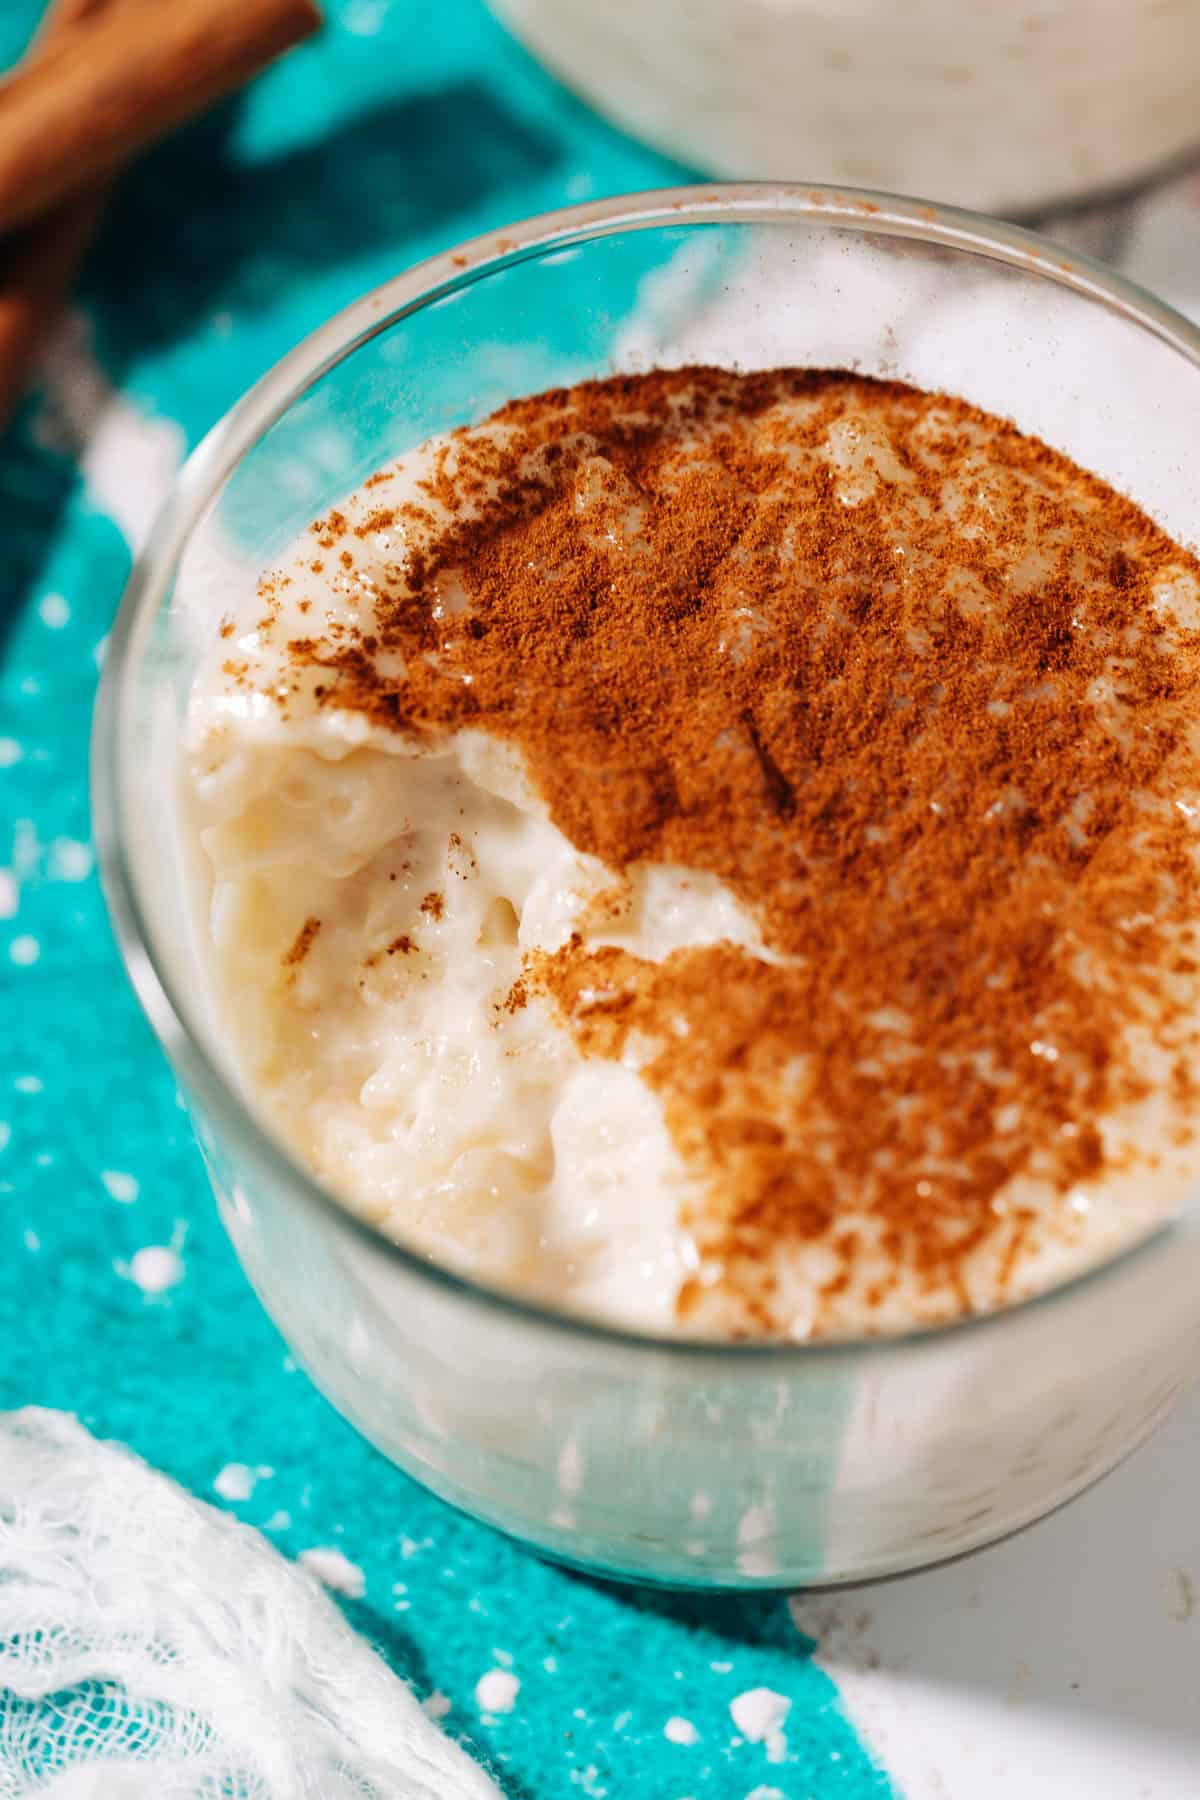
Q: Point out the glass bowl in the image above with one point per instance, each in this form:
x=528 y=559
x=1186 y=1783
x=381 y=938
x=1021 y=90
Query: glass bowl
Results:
x=656 y=1459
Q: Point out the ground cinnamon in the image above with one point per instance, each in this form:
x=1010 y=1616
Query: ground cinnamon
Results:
x=924 y=696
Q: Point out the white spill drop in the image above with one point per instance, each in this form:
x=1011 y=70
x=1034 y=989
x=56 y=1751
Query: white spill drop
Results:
x=496 y=1692
x=235 y=1482
x=155 y=1268
x=24 y=951
x=10 y=752
x=436 y=1705
x=54 y=611
x=759 y=1713
x=680 y=1731
x=333 y=1570
x=70 y=860
x=121 y=1186
x=10 y=894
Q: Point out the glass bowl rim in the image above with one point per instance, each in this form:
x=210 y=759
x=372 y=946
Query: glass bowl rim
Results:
x=214 y=459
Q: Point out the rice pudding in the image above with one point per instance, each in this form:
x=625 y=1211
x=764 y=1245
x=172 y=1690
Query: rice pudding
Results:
x=719 y=852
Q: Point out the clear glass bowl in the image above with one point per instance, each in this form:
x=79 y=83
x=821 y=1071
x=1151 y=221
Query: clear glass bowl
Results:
x=656 y=1459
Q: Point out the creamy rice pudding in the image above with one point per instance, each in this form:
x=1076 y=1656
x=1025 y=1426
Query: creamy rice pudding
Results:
x=719 y=852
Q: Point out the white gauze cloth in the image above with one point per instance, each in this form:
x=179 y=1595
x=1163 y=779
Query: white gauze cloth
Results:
x=151 y=1648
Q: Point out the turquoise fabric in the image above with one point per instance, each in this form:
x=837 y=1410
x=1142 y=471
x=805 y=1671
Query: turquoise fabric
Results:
x=401 y=130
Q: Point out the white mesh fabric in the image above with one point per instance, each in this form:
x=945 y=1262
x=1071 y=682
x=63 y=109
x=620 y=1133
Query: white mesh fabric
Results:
x=150 y=1646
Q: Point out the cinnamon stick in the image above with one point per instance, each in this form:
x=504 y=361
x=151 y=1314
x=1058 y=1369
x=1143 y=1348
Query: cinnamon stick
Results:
x=125 y=77
x=38 y=265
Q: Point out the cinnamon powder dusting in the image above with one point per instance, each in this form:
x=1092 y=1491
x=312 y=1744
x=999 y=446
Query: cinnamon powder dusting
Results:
x=300 y=946
x=924 y=695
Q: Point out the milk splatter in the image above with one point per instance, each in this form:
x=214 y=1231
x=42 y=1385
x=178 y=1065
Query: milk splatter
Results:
x=335 y=1571
x=496 y=1692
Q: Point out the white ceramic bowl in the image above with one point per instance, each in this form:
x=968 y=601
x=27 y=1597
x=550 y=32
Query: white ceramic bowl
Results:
x=1009 y=105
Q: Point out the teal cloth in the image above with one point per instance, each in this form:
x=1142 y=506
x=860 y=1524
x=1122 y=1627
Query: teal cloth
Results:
x=402 y=129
